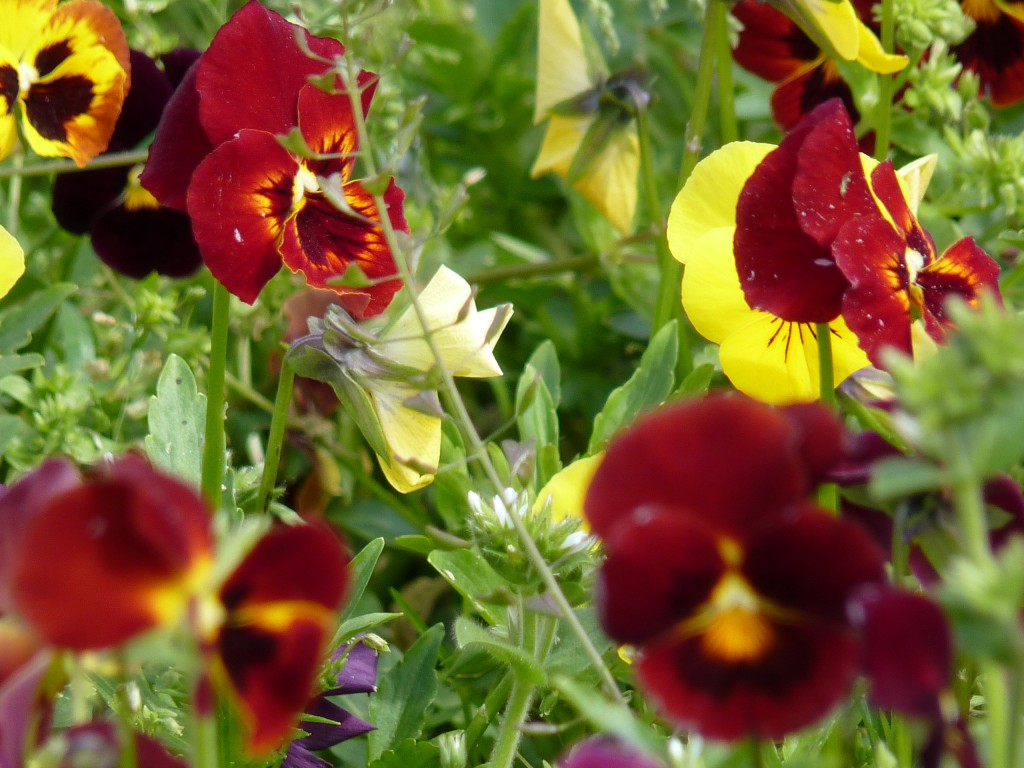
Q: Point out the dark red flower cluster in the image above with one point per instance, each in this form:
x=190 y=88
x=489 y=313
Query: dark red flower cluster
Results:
x=722 y=570
x=90 y=562
x=254 y=204
x=838 y=241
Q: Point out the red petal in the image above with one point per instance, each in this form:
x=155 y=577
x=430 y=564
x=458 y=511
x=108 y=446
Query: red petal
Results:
x=179 y=146
x=112 y=557
x=660 y=568
x=908 y=651
x=810 y=563
x=782 y=268
x=303 y=563
x=806 y=89
x=138 y=242
x=877 y=305
x=239 y=200
x=252 y=73
x=727 y=460
x=995 y=50
x=821 y=440
x=964 y=271
x=807 y=672
x=770 y=44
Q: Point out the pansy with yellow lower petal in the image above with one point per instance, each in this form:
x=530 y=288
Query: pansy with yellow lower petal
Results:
x=388 y=378
x=995 y=49
x=67 y=67
x=591 y=140
x=773 y=360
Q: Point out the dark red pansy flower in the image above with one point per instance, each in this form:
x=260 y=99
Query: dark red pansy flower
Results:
x=789 y=212
x=773 y=47
x=605 y=752
x=730 y=582
x=101 y=744
x=127 y=549
x=255 y=205
x=130 y=231
x=896 y=277
x=995 y=49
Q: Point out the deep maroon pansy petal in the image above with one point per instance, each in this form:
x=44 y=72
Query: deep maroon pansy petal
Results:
x=604 y=752
x=22 y=702
x=138 y=242
x=177 y=63
x=995 y=51
x=239 y=200
x=144 y=104
x=112 y=557
x=806 y=89
x=770 y=44
x=78 y=198
x=689 y=456
x=783 y=268
x=252 y=72
x=290 y=564
x=100 y=744
x=810 y=563
x=179 y=146
x=660 y=567
x=805 y=672
x=964 y=271
x=908 y=651
x=820 y=438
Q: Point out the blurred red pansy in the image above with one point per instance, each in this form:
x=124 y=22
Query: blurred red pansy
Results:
x=254 y=204
x=731 y=583
x=995 y=49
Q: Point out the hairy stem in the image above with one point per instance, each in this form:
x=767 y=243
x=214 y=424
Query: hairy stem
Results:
x=213 y=445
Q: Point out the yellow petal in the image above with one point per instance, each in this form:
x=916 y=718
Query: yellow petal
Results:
x=20 y=23
x=562 y=70
x=12 y=261
x=561 y=143
x=610 y=183
x=777 y=362
x=465 y=338
x=708 y=199
x=567 y=489
x=837 y=21
x=915 y=177
x=872 y=55
x=411 y=435
x=1012 y=8
x=8 y=134
x=712 y=296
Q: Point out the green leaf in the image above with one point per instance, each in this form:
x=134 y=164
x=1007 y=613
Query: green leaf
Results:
x=473 y=578
x=898 y=476
x=697 y=381
x=361 y=569
x=19 y=322
x=404 y=694
x=409 y=754
x=607 y=716
x=15 y=363
x=649 y=385
x=469 y=633
x=538 y=421
x=177 y=416
x=544 y=361
x=359 y=624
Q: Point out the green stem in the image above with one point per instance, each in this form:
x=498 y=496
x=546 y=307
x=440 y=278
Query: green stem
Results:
x=205 y=741
x=972 y=523
x=1000 y=729
x=111 y=160
x=826 y=376
x=520 y=271
x=475 y=445
x=485 y=715
x=701 y=95
x=883 y=117
x=213 y=446
x=726 y=102
x=14 y=196
x=275 y=439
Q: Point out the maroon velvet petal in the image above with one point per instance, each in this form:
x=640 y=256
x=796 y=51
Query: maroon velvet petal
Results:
x=807 y=672
x=727 y=460
x=304 y=563
x=179 y=146
x=146 y=240
x=771 y=45
x=821 y=439
x=908 y=651
x=811 y=563
x=995 y=50
x=78 y=198
x=240 y=198
x=660 y=567
x=964 y=271
x=99 y=744
x=143 y=105
x=877 y=305
x=604 y=752
x=177 y=63
x=802 y=92
x=782 y=269
x=830 y=187
x=252 y=73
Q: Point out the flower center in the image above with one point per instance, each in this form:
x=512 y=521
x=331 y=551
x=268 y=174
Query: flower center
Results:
x=738 y=630
x=305 y=184
x=27 y=75
x=136 y=196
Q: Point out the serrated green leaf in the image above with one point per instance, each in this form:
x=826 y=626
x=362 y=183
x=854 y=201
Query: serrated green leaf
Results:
x=19 y=322
x=469 y=633
x=409 y=754
x=648 y=387
x=473 y=578
x=177 y=417
x=361 y=569
x=404 y=693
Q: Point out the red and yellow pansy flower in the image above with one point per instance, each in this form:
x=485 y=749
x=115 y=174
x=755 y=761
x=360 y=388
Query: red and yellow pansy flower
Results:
x=66 y=68
x=254 y=204
x=995 y=49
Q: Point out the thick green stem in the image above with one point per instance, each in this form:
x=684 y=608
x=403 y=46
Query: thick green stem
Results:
x=972 y=522
x=997 y=715
x=112 y=160
x=205 y=742
x=476 y=447
x=883 y=115
x=726 y=102
x=701 y=95
x=213 y=446
x=520 y=271
x=14 y=195
x=487 y=712
x=275 y=439
x=826 y=375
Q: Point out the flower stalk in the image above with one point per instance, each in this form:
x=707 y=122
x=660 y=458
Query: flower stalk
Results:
x=275 y=440
x=214 y=443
